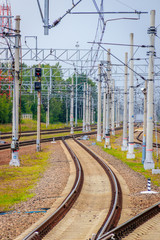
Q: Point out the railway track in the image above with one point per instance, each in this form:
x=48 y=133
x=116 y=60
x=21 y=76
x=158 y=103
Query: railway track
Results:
x=106 y=220
x=140 y=140
x=43 y=132
x=124 y=230
x=30 y=142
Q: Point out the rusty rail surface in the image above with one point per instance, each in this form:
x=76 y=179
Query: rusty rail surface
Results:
x=126 y=228
x=114 y=213
x=39 y=232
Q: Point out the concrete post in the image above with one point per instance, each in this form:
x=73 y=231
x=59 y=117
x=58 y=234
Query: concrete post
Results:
x=124 y=144
x=47 y=120
x=112 y=117
x=107 y=132
x=46 y=17
x=76 y=103
x=99 y=105
x=39 y=121
x=149 y=163
x=84 y=107
x=144 y=90
x=15 y=120
x=72 y=106
x=87 y=109
x=92 y=111
x=131 y=153
x=104 y=109
x=66 y=106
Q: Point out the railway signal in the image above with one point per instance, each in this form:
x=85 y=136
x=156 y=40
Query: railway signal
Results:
x=38 y=89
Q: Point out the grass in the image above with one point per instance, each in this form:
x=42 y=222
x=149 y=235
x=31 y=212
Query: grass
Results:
x=17 y=183
x=134 y=164
x=30 y=125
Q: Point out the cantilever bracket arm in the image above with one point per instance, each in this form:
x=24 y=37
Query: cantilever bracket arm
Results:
x=39 y=6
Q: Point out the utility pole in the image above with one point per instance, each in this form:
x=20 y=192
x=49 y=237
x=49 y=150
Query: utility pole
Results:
x=124 y=144
x=99 y=105
x=107 y=132
x=47 y=111
x=84 y=107
x=144 y=90
x=104 y=108
x=76 y=105
x=149 y=163
x=46 y=17
x=72 y=106
x=92 y=110
x=87 y=109
x=112 y=123
x=66 y=107
x=38 y=89
x=15 y=124
x=131 y=154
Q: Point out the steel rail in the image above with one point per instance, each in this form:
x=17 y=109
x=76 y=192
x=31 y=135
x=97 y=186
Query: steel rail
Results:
x=43 y=132
x=138 y=138
x=39 y=232
x=129 y=226
x=30 y=142
x=116 y=203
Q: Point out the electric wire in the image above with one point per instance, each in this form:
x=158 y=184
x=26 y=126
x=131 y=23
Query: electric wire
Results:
x=124 y=63
x=124 y=4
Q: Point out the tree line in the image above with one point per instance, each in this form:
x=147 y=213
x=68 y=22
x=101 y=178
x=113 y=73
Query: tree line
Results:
x=59 y=94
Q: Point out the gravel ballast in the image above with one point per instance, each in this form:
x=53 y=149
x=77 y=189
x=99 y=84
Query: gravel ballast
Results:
x=53 y=181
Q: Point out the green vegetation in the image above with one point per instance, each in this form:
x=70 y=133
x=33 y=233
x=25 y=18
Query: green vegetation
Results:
x=134 y=164
x=17 y=182
x=28 y=97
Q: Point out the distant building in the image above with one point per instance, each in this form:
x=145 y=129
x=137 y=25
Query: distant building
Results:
x=27 y=116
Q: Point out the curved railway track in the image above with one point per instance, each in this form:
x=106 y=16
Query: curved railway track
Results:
x=30 y=142
x=112 y=216
x=140 y=140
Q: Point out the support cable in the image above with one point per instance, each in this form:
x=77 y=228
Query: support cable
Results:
x=124 y=63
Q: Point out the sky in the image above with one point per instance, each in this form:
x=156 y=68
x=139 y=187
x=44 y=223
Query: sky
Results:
x=81 y=28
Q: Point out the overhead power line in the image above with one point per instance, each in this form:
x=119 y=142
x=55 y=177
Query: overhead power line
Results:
x=135 y=12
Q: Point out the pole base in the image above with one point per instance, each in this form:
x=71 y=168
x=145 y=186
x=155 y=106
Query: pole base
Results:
x=130 y=154
x=155 y=171
x=15 y=161
x=107 y=146
x=124 y=148
x=148 y=163
x=113 y=132
x=99 y=138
